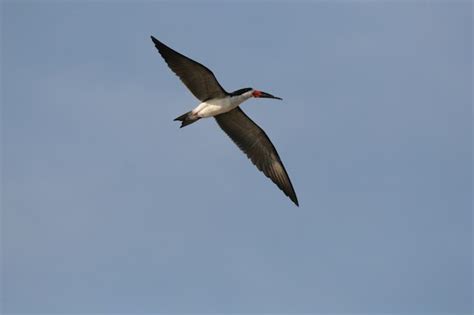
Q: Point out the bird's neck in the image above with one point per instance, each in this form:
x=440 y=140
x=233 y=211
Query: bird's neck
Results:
x=239 y=99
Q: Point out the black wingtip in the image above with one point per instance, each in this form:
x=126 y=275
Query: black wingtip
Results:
x=156 y=42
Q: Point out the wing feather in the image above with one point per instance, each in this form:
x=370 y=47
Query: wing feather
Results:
x=197 y=78
x=253 y=141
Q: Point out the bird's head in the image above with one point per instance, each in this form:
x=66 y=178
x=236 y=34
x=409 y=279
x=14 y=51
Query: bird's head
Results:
x=260 y=94
x=247 y=93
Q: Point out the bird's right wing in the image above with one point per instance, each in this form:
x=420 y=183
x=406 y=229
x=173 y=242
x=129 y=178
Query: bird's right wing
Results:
x=197 y=78
x=253 y=141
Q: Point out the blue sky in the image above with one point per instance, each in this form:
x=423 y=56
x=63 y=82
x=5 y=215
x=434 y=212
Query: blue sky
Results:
x=107 y=206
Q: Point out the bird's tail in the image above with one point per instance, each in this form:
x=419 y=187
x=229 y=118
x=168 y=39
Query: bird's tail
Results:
x=187 y=119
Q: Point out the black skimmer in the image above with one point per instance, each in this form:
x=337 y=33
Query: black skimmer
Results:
x=224 y=107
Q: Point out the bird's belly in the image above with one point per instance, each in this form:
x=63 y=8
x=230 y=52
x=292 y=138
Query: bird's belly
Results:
x=213 y=107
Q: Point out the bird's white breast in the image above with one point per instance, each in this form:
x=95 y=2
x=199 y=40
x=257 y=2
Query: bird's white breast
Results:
x=218 y=106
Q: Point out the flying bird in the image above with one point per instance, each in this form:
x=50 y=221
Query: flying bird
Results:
x=224 y=107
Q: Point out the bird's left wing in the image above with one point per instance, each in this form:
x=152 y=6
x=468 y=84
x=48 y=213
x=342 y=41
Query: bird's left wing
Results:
x=197 y=78
x=253 y=141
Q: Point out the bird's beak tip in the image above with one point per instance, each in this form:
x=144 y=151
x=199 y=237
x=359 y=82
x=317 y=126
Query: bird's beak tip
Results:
x=267 y=95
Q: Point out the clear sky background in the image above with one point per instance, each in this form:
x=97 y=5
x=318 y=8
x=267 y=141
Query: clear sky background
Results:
x=107 y=206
